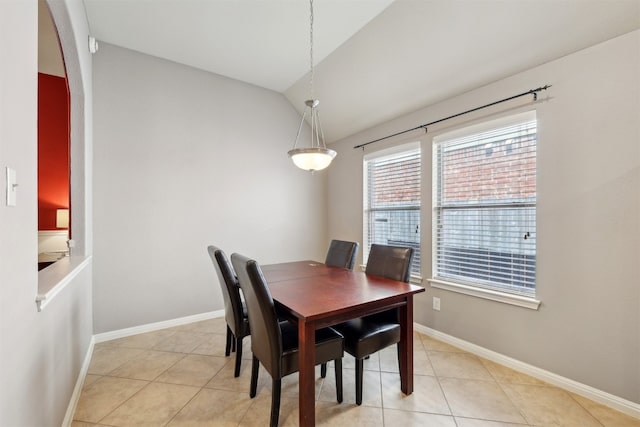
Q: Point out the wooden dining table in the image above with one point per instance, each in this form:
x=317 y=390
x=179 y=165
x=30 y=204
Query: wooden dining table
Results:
x=315 y=295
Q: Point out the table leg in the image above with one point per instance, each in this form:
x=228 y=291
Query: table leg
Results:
x=307 y=354
x=405 y=354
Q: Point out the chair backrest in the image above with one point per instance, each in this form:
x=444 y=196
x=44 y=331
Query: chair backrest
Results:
x=342 y=254
x=266 y=338
x=392 y=262
x=233 y=312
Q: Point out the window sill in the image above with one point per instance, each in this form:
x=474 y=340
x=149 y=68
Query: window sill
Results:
x=54 y=278
x=503 y=297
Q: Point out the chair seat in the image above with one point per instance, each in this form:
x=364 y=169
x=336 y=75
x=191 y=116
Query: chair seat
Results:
x=245 y=321
x=329 y=346
x=365 y=336
x=245 y=329
x=242 y=329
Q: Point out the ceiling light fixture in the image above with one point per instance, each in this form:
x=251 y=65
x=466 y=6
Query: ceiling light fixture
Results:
x=318 y=156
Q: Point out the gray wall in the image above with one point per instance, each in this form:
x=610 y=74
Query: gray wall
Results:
x=183 y=159
x=41 y=353
x=588 y=266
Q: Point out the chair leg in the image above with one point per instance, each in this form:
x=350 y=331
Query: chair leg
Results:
x=229 y=339
x=359 y=373
x=323 y=370
x=255 y=365
x=238 y=357
x=275 y=401
x=338 y=365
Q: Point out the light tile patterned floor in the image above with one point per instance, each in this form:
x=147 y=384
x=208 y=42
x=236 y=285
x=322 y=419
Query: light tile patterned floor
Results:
x=180 y=377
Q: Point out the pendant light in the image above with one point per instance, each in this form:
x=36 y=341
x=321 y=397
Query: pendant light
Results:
x=317 y=156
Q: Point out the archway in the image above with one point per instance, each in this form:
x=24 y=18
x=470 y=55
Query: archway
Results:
x=53 y=144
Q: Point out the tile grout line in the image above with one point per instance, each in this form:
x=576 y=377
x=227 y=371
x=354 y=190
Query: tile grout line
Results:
x=499 y=383
x=183 y=406
x=124 y=401
x=586 y=410
x=437 y=377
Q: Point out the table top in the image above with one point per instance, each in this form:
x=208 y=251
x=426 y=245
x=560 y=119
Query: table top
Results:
x=313 y=290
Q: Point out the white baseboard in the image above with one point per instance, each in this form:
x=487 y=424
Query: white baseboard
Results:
x=121 y=333
x=77 y=390
x=607 y=399
x=619 y=404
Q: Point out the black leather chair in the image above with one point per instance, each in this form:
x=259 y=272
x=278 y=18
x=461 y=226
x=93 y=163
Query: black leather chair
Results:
x=235 y=312
x=274 y=343
x=342 y=254
x=392 y=262
x=367 y=335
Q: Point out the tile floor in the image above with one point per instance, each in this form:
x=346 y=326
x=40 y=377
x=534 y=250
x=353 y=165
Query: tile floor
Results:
x=180 y=377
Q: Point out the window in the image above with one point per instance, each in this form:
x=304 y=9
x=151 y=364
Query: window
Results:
x=392 y=201
x=485 y=206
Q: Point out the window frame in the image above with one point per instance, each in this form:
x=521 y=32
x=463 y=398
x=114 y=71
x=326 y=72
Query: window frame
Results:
x=471 y=287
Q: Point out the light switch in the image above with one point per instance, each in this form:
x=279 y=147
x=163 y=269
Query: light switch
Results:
x=12 y=186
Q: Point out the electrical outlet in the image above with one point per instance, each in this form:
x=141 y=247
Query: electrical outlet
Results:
x=436 y=303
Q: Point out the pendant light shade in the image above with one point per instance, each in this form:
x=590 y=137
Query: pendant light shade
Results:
x=317 y=156
x=312 y=159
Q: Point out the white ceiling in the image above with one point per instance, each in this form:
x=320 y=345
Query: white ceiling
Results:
x=263 y=42
x=375 y=59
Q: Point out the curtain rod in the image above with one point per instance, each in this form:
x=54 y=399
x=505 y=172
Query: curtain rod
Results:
x=533 y=92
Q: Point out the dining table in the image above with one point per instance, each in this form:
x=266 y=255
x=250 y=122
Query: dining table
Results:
x=314 y=295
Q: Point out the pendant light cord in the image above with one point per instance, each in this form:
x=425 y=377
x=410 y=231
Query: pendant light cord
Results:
x=311 y=46
x=318 y=156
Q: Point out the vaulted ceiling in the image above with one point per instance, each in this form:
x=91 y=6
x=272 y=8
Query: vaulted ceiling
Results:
x=375 y=59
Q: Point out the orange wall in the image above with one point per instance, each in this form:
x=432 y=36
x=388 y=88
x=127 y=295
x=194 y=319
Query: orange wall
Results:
x=53 y=149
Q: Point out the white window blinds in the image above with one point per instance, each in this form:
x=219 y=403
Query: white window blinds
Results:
x=485 y=208
x=392 y=202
